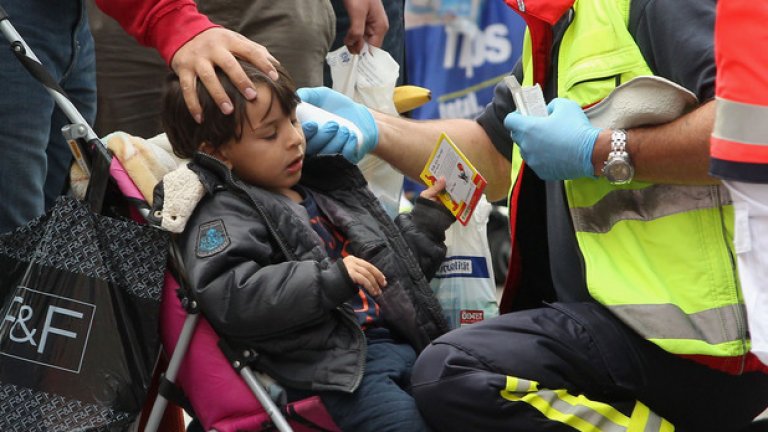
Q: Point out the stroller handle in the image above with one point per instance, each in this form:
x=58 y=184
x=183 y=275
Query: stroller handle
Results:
x=86 y=140
x=30 y=61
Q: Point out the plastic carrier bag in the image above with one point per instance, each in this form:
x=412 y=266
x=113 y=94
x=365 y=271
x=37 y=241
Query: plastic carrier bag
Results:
x=80 y=297
x=369 y=78
x=464 y=283
x=750 y=208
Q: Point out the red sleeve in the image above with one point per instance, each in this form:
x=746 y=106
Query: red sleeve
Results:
x=165 y=25
x=739 y=143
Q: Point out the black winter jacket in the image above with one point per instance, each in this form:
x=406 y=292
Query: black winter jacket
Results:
x=264 y=281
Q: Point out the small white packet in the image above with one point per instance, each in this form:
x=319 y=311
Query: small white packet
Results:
x=368 y=78
x=528 y=100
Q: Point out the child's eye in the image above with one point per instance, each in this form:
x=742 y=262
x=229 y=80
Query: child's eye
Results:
x=271 y=137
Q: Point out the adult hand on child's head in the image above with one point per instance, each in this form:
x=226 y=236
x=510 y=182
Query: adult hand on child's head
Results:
x=365 y=274
x=556 y=147
x=219 y=47
x=433 y=191
x=326 y=140
x=368 y=22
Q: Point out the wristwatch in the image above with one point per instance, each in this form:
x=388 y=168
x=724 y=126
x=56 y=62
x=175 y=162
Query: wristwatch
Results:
x=618 y=169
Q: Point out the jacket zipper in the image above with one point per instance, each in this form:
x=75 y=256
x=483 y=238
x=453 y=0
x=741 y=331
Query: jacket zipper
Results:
x=346 y=311
x=400 y=244
x=741 y=323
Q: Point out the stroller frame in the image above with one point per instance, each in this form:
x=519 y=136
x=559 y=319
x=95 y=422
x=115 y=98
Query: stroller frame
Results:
x=83 y=141
x=238 y=361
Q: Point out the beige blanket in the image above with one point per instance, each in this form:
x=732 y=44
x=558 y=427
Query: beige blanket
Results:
x=147 y=162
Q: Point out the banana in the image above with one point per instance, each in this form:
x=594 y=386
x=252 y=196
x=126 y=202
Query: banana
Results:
x=409 y=97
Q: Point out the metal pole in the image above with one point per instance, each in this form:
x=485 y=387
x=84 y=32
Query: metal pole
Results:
x=266 y=402
x=156 y=415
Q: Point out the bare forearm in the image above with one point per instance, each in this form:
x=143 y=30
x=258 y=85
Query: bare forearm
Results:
x=676 y=152
x=407 y=144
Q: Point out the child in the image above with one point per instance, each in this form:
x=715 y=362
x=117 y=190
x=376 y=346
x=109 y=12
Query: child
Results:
x=297 y=259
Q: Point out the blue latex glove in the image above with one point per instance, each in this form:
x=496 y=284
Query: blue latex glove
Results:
x=326 y=140
x=557 y=147
x=330 y=138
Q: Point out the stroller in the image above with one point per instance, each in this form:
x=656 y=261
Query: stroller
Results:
x=241 y=404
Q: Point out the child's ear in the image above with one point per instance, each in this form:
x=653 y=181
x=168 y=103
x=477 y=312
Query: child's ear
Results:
x=210 y=150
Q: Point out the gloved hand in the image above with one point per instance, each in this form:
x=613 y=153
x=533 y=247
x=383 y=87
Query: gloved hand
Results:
x=326 y=140
x=330 y=138
x=557 y=147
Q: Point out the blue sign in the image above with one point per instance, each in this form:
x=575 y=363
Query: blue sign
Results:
x=460 y=54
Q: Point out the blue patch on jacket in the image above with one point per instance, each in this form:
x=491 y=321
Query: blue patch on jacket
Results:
x=212 y=238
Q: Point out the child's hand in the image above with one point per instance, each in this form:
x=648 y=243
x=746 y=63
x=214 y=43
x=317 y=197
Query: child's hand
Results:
x=431 y=192
x=365 y=274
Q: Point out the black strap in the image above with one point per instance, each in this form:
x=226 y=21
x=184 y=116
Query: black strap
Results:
x=97 y=185
x=235 y=355
x=171 y=391
x=179 y=272
x=34 y=68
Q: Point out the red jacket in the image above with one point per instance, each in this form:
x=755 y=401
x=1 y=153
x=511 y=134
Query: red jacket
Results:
x=165 y=25
x=740 y=139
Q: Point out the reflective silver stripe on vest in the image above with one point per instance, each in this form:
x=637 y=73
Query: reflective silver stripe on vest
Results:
x=653 y=424
x=601 y=416
x=523 y=386
x=740 y=122
x=667 y=321
x=594 y=418
x=646 y=204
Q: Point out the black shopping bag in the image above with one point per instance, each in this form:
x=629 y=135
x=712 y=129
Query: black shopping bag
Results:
x=80 y=299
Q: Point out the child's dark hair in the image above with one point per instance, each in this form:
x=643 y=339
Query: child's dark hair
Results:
x=186 y=135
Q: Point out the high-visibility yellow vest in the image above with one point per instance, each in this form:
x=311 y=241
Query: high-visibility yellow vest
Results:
x=658 y=256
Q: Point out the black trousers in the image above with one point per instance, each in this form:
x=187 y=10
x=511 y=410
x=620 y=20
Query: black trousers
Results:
x=574 y=367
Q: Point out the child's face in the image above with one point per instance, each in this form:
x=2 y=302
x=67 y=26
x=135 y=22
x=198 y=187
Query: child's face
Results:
x=270 y=152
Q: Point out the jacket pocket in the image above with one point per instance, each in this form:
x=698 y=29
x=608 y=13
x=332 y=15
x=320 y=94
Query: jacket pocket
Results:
x=610 y=57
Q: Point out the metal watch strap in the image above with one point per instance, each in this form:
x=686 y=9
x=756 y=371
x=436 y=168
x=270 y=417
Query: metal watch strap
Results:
x=618 y=168
x=618 y=144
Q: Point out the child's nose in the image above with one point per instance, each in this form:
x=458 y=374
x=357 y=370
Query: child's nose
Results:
x=296 y=136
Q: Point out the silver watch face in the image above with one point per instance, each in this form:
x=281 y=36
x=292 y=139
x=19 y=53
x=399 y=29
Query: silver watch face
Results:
x=618 y=171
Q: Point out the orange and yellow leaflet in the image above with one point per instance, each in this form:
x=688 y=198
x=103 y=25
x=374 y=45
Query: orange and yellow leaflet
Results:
x=463 y=184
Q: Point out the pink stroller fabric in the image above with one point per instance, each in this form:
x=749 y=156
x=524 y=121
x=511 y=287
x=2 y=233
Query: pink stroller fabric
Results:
x=221 y=399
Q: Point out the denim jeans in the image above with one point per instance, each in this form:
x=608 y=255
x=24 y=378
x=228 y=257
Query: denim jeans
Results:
x=34 y=157
x=382 y=402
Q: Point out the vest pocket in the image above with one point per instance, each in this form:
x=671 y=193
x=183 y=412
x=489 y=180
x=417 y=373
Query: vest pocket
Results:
x=593 y=78
x=611 y=57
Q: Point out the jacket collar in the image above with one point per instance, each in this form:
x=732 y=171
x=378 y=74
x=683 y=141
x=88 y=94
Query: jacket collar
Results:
x=540 y=16
x=324 y=172
x=548 y=11
x=211 y=171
